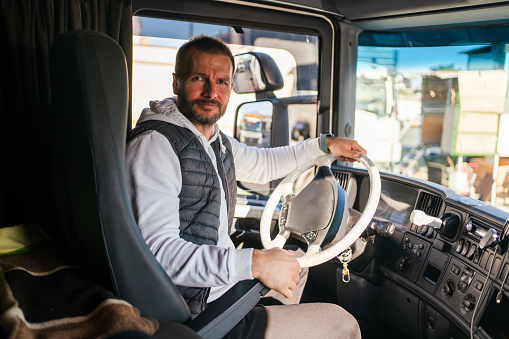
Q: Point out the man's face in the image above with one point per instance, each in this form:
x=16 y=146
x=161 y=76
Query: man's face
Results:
x=203 y=92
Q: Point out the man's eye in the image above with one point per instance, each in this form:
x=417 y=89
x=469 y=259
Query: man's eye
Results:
x=223 y=82
x=197 y=78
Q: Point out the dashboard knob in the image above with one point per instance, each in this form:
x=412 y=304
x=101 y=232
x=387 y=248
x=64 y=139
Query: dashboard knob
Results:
x=449 y=288
x=470 y=226
x=468 y=303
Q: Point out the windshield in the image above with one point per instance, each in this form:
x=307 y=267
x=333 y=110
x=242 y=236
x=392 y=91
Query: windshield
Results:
x=440 y=112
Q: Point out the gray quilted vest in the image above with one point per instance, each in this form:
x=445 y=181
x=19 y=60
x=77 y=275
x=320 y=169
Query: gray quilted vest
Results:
x=200 y=196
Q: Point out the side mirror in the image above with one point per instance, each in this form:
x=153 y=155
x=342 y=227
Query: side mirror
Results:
x=254 y=123
x=256 y=73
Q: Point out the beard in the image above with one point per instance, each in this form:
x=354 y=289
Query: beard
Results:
x=186 y=107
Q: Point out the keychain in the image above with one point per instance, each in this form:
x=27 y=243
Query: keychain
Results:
x=345 y=259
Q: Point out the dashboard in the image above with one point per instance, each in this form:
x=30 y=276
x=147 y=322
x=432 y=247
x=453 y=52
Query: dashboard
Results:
x=435 y=282
x=444 y=281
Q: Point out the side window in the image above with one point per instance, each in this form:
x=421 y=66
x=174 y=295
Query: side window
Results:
x=156 y=42
x=437 y=113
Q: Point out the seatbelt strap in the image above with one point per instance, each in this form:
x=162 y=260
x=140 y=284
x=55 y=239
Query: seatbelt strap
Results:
x=220 y=171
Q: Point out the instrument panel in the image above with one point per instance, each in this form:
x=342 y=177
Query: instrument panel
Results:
x=442 y=277
x=397 y=202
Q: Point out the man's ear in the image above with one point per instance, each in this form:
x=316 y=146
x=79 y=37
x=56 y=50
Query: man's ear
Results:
x=174 y=84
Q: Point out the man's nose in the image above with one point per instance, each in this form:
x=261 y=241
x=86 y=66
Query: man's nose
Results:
x=210 y=90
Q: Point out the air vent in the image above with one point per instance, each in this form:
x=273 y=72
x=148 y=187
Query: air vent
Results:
x=342 y=178
x=429 y=204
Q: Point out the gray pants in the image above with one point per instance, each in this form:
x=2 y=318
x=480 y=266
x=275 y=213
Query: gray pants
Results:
x=279 y=318
x=315 y=320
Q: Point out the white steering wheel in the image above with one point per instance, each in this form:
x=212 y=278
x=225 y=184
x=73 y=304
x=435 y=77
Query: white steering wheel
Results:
x=315 y=255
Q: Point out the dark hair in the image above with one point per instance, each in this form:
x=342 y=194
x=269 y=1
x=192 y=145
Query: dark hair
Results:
x=201 y=43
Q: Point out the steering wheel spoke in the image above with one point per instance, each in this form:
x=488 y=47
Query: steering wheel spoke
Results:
x=287 y=189
x=281 y=238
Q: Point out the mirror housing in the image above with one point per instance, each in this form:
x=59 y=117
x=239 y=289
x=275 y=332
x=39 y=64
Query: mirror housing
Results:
x=255 y=122
x=256 y=72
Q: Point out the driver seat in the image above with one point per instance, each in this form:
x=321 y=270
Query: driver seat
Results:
x=90 y=96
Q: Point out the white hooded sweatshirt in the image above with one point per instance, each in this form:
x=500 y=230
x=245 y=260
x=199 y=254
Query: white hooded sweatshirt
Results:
x=154 y=182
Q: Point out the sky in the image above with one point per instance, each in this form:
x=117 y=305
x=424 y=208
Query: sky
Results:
x=422 y=59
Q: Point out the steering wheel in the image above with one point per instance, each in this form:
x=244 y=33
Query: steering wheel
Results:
x=320 y=230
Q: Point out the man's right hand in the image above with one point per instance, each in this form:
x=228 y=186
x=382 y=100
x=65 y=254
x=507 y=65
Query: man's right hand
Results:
x=277 y=269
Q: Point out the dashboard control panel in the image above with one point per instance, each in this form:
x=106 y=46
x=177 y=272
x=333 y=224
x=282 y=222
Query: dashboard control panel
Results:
x=412 y=251
x=438 y=251
x=413 y=246
x=461 y=288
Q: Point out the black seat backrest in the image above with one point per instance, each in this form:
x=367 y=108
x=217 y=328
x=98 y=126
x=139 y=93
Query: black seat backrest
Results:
x=89 y=86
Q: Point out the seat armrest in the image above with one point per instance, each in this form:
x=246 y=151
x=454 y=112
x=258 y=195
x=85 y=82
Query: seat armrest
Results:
x=223 y=314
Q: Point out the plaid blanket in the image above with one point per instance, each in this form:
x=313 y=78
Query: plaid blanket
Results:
x=43 y=294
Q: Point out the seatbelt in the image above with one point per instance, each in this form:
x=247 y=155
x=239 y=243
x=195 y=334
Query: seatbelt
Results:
x=220 y=171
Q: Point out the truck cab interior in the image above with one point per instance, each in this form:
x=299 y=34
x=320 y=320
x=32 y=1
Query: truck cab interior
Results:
x=422 y=86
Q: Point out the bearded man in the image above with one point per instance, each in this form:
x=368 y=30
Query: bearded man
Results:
x=182 y=173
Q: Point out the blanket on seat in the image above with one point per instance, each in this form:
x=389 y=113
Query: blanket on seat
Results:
x=43 y=294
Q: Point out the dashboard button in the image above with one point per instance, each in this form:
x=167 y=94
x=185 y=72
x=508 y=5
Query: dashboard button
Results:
x=478 y=285
x=455 y=269
x=469 y=271
x=476 y=257
x=404 y=264
x=462 y=286
x=484 y=258
x=459 y=246
x=466 y=278
x=496 y=267
x=430 y=232
x=471 y=251
x=421 y=246
x=490 y=261
x=465 y=248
